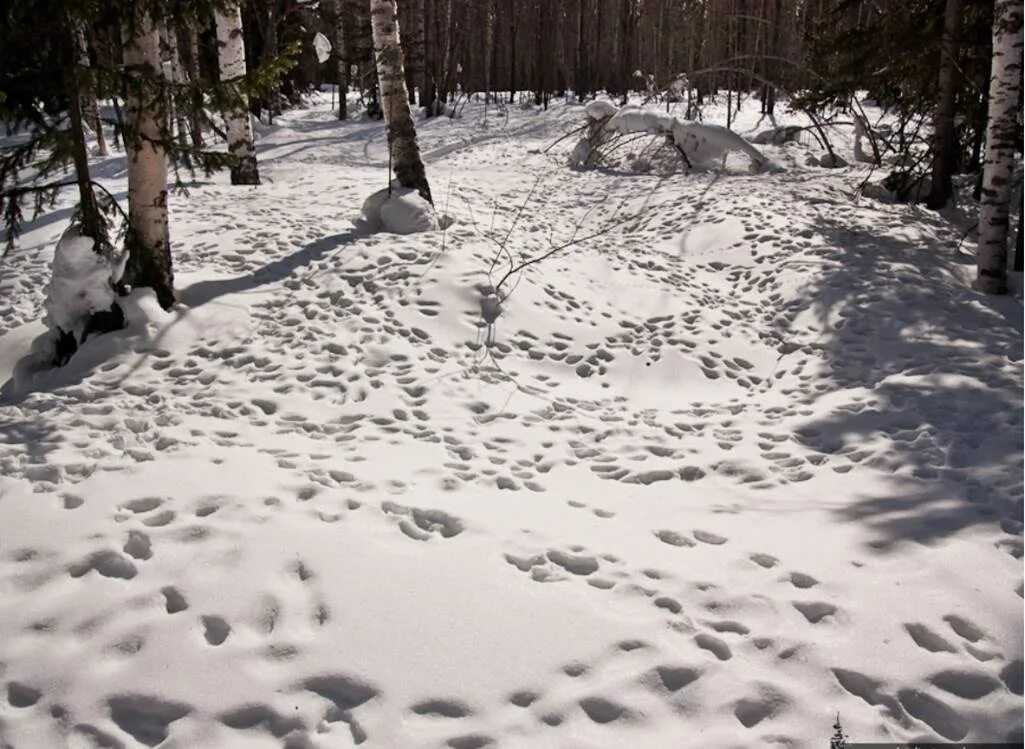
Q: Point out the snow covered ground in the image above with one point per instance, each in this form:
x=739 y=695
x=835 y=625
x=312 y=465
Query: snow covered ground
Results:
x=750 y=459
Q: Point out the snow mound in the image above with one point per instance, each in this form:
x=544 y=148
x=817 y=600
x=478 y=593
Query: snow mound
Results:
x=399 y=210
x=599 y=110
x=82 y=282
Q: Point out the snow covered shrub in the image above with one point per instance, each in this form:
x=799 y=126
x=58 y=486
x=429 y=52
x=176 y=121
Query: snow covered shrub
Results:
x=399 y=210
x=80 y=298
x=693 y=142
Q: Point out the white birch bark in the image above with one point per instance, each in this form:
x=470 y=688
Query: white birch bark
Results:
x=231 y=57
x=1001 y=132
x=145 y=127
x=405 y=152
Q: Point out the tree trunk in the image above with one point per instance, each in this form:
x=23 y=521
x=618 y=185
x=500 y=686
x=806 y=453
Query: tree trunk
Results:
x=512 y=57
x=231 y=57
x=628 y=23
x=177 y=79
x=191 y=60
x=145 y=127
x=413 y=49
x=405 y=153
x=1001 y=143
x=489 y=47
x=342 y=58
x=944 y=142
x=580 y=82
x=89 y=109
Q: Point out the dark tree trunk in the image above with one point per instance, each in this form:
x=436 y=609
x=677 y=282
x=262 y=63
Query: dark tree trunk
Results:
x=944 y=135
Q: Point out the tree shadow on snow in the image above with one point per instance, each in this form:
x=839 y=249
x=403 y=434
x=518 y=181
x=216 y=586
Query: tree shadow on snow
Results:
x=942 y=367
x=202 y=292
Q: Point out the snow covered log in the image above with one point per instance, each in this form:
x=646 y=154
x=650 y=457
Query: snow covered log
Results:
x=697 y=142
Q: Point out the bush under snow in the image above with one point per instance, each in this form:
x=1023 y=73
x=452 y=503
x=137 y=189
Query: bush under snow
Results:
x=698 y=142
x=82 y=283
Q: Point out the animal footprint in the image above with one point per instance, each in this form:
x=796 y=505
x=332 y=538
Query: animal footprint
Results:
x=174 y=601
x=709 y=538
x=138 y=545
x=928 y=640
x=673 y=538
x=421 y=525
x=815 y=611
x=215 y=630
x=22 y=695
x=147 y=719
x=713 y=645
x=602 y=710
x=106 y=563
x=764 y=560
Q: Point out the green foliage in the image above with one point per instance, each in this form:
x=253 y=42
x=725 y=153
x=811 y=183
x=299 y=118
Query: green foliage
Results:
x=37 y=48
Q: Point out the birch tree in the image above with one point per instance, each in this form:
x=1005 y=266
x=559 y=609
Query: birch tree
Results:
x=145 y=129
x=231 y=57
x=405 y=153
x=1001 y=142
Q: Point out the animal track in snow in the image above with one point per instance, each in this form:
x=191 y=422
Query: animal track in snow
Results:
x=215 y=630
x=926 y=639
x=706 y=537
x=713 y=645
x=442 y=708
x=147 y=719
x=815 y=611
x=673 y=538
x=107 y=563
x=422 y=525
x=21 y=695
x=174 y=601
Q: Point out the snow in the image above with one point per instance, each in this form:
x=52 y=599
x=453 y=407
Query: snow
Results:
x=81 y=283
x=399 y=210
x=749 y=459
x=599 y=109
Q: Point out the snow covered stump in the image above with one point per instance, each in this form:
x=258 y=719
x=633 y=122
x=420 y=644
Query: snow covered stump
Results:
x=399 y=210
x=697 y=143
x=80 y=299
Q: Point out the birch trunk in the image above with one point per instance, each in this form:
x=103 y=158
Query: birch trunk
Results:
x=1001 y=137
x=231 y=57
x=944 y=143
x=405 y=153
x=145 y=127
x=87 y=99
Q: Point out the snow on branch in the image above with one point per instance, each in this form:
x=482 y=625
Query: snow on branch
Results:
x=696 y=143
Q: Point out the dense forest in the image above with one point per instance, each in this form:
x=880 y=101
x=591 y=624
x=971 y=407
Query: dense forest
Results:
x=460 y=374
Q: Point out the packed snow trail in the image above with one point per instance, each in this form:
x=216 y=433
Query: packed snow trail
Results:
x=749 y=459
